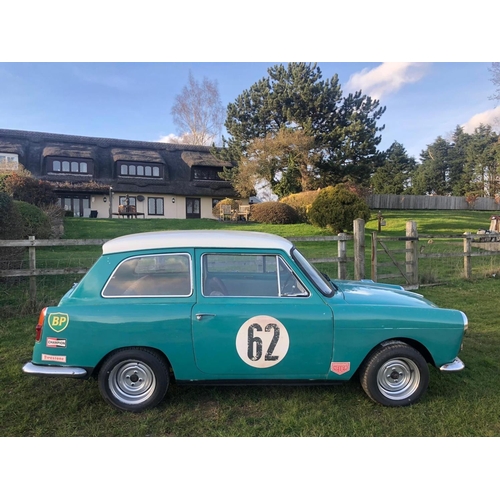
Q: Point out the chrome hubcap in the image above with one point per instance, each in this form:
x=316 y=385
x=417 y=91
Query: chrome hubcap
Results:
x=132 y=382
x=398 y=378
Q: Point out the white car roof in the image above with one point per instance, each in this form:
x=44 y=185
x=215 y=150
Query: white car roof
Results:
x=209 y=238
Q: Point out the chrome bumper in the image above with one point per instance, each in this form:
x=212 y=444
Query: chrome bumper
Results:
x=55 y=371
x=455 y=366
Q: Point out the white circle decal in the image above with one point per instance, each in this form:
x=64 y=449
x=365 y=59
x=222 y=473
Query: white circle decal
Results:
x=262 y=341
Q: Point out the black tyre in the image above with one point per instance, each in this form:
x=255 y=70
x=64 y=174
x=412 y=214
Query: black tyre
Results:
x=395 y=374
x=133 y=379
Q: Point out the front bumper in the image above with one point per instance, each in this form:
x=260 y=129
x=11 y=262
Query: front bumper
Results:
x=55 y=371
x=455 y=366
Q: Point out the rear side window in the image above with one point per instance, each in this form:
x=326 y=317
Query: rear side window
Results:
x=163 y=275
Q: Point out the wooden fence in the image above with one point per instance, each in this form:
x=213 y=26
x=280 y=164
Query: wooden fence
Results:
x=413 y=202
x=408 y=269
x=32 y=271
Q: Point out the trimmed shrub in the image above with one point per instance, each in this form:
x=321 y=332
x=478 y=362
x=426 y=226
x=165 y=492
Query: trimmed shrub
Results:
x=23 y=187
x=34 y=221
x=302 y=202
x=337 y=207
x=227 y=201
x=274 y=212
x=11 y=228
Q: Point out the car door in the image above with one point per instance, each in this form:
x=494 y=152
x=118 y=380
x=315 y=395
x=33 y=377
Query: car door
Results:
x=257 y=317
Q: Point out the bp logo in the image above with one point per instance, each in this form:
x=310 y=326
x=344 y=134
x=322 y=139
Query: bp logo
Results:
x=262 y=341
x=58 y=321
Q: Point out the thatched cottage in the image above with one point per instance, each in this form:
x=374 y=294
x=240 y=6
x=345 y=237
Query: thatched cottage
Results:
x=103 y=178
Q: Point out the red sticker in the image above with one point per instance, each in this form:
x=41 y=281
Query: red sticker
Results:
x=340 y=368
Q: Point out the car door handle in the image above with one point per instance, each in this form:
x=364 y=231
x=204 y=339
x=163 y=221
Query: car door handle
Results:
x=199 y=316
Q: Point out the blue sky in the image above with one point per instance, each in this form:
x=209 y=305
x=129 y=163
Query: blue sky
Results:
x=134 y=100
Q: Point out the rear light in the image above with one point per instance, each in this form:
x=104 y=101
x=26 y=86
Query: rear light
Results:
x=39 y=326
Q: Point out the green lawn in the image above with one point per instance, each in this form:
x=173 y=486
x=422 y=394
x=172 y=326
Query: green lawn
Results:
x=461 y=404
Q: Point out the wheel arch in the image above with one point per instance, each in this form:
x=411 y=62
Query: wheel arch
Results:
x=411 y=342
x=158 y=352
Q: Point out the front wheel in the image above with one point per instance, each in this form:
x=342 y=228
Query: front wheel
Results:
x=395 y=374
x=133 y=379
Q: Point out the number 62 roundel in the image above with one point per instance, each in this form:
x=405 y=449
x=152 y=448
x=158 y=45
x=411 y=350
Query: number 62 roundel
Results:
x=262 y=341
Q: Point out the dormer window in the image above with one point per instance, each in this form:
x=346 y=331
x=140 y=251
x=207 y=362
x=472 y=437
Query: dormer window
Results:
x=140 y=169
x=59 y=165
x=207 y=173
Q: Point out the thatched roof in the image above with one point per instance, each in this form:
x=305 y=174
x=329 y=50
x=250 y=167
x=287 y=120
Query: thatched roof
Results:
x=136 y=155
x=67 y=150
x=7 y=146
x=202 y=159
x=34 y=148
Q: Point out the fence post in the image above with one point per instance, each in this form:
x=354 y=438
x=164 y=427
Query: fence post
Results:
x=32 y=266
x=342 y=255
x=412 y=252
x=359 y=249
x=374 y=256
x=467 y=256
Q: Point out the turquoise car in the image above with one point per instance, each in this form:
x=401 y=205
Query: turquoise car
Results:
x=237 y=307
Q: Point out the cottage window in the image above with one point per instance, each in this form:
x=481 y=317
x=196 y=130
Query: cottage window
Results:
x=207 y=173
x=133 y=170
x=70 y=165
x=155 y=206
x=131 y=200
x=9 y=158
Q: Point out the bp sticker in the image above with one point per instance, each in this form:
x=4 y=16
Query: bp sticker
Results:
x=262 y=341
x=58 y=321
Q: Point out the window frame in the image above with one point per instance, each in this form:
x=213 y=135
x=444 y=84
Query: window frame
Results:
x=145 y=256
x=51 y=160
x=193 y=215
x=150 y=167
x=156 y=198
x=277 y=258
x=207 y=174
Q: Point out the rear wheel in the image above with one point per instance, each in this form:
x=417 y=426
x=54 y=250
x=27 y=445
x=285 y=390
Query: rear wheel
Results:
x=395 y=374
x=134 y=379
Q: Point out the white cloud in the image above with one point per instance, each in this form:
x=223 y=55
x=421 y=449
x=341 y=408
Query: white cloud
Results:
x=489 y=117
x=387 y=78
x=170 y=138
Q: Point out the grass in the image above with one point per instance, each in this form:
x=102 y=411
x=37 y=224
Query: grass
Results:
x=461 y=404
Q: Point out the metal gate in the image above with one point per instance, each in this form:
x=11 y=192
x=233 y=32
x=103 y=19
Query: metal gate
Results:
x=399 y=263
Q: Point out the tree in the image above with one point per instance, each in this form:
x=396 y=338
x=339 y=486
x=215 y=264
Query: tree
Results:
x=393 y=176
x=344 y=129
x=468 y=163
x=495 y=79
x=482 y=162
x=198 y=112
x=432 y=175
x=283 y=160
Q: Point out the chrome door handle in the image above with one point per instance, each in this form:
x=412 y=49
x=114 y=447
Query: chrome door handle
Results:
x=199 y=316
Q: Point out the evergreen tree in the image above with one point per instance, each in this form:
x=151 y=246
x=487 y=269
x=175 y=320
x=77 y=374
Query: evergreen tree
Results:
x=482 y=160
x=432 y=175
x=393 y=176
x=344 y=129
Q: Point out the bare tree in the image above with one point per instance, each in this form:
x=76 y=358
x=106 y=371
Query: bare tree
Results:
x=198 y=112
x=495 y=79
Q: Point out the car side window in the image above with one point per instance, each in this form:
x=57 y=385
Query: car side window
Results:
x=162 y=275
x=249 y=275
